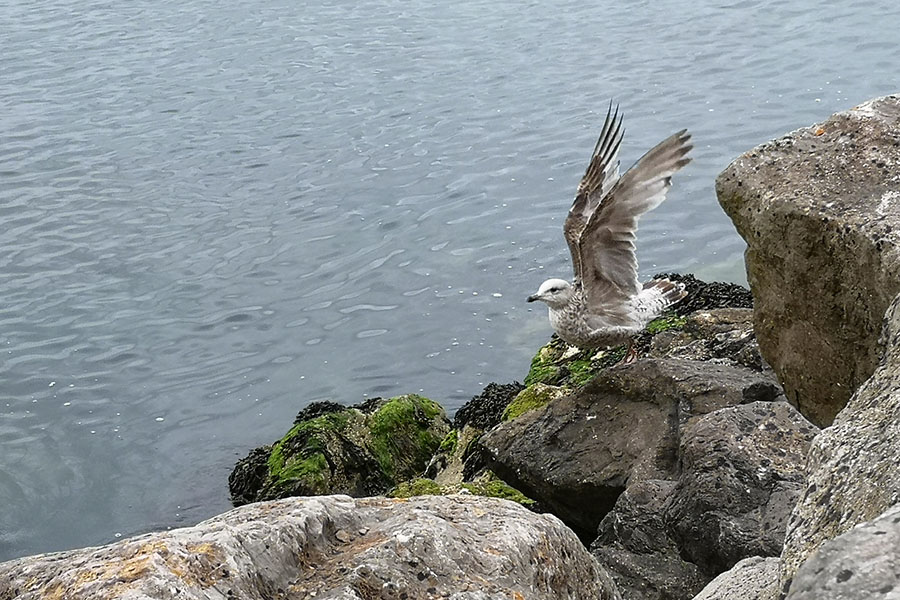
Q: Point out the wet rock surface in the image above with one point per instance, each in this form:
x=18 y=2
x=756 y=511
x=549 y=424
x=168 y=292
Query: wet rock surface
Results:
x=457 y=547
x=362 y=451
x=820 y=212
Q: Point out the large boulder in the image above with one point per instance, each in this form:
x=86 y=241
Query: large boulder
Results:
x=820 y=212
x=457 y=547
x=576 y=454
x=854 y=465
x=740 y=472
x=331 y=449
x=862 y=564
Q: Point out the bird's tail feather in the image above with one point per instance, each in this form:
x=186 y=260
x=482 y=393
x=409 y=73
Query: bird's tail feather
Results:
x=656 y=296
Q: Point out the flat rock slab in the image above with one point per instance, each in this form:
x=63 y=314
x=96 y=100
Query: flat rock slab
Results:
x=820 y=212
x=457 y=547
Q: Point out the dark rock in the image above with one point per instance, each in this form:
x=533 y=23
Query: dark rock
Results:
x=249 y=475
x=862 y=564
x=461 y=547
x=707 y=296
x=317 y=409
x=854 y=465
x=361 y=452
x=484 y=410
x=635 y=545
x=742 y=471
x=576 y=454
x=820 y=212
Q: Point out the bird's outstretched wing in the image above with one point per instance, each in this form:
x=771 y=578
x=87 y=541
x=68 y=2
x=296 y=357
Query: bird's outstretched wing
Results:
x=608 y=267
x=602 y=173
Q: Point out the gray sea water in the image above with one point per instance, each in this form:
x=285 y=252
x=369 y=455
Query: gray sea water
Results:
x=214 y=213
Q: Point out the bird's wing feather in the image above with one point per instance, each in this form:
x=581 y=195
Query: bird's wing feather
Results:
x=606 y=244
x=602 y=173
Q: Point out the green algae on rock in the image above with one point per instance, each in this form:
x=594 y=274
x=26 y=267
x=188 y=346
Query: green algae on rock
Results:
x=360 y=451
x=531 y=398
x=487 y=484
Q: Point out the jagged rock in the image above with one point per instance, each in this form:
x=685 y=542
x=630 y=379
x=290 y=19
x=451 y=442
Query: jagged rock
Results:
x=754 y=578
x=724 y=335
x=576 y=454
x=862 y=564
x=635 y=545
x=486 y=409
x=740 y=472
x=458 y=547
x=704 y=295
x=361 y=451
x=460 y=458
x=854 y=465
x=820 y=212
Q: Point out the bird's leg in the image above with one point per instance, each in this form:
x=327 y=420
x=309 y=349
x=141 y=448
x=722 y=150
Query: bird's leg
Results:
x=631 y=354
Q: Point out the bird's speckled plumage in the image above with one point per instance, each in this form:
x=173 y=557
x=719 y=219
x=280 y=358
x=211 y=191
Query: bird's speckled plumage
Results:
x=606 y=304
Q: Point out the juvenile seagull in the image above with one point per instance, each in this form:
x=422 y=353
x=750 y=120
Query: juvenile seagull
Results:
x=606 y=304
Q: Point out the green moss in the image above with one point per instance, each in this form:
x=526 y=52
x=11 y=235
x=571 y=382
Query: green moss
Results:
x=611 y=356
x=496 y=488
x=581 y=371
x=305 y=456
x=402 y=440
x=448 y=444
x=666 y=323
x=531 y=398
x=543 y=369
x=416 y=487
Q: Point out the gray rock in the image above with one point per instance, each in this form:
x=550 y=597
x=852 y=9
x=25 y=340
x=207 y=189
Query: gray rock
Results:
x=854 y=465
x=742 y=471
x=635 y=545
x=335 y=547
x=820 y=212
x=576 y=454
x=862 y=564
x=754 y=578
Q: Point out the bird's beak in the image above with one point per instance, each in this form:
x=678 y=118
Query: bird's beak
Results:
x=531 y=298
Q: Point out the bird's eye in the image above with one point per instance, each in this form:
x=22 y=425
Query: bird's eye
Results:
x=554 y=289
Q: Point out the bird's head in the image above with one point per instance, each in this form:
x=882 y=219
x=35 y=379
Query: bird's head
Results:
x=554 y=292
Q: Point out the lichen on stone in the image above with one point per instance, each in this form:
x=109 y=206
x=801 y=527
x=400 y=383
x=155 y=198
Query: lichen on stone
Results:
x=531 y=398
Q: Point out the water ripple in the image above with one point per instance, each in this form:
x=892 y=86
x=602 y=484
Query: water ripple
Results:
x=214 y=213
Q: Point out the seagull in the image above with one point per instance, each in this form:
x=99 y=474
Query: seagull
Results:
x=605 y=305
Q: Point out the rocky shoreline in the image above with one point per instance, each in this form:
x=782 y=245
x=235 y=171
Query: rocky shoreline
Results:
x=698 y=471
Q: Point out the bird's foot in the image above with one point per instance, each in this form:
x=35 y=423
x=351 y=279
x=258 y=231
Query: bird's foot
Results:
x=631 y=354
